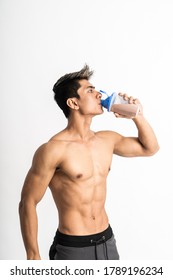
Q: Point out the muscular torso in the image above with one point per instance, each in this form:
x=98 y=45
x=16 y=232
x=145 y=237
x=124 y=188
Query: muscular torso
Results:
x=79 y=185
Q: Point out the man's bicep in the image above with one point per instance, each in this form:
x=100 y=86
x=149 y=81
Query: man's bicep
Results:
x=128 y=147
x=34 y=187
x=46 y=159
x=38 y=177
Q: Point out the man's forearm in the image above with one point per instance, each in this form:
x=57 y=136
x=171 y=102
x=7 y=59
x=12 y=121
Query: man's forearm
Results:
x=29 y=228
x=146 y=135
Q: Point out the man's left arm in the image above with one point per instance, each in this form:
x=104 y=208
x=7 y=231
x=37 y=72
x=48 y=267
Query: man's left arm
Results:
x=146 y=136
x=145 y=144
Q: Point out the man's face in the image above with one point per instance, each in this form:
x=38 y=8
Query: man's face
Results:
x=90 y=99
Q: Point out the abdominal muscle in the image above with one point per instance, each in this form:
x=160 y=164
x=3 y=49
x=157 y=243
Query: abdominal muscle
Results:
x=80 y=206
x=76 y=223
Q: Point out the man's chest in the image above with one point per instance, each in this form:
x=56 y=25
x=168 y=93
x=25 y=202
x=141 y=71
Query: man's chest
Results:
x=84 y=161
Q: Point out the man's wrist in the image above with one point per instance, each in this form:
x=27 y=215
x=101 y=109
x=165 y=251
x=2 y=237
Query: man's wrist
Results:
x=33 y=256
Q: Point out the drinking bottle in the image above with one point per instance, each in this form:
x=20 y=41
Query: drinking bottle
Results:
x=116 y=103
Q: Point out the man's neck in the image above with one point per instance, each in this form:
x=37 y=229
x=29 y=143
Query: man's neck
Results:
x=79 y=127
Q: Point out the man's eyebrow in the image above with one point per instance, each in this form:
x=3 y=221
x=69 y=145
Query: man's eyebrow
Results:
x=91 y=87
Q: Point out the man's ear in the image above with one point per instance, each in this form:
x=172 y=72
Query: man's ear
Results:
x=72 y=103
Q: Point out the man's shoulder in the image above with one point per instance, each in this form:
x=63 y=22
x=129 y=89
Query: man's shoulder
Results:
x=50 y=153
x=54 y=145
x=108 y=136
x=105 y=133
x=59 y=140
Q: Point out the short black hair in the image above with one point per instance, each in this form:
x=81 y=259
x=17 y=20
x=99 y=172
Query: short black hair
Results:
x=67 y=87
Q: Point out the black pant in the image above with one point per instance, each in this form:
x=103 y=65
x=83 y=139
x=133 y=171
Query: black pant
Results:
x=100 y=246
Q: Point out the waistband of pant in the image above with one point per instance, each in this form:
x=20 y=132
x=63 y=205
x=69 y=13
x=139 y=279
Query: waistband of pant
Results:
x=84 y=240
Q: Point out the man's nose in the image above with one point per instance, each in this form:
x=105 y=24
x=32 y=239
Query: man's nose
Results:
x=98 y=94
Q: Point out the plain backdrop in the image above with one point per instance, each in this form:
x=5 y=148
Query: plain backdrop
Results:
x=129 y=44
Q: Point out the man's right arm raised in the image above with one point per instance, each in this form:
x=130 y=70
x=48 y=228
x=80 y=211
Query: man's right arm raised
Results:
x=44 y=163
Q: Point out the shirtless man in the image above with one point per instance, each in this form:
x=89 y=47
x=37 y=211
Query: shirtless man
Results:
x=74 y=164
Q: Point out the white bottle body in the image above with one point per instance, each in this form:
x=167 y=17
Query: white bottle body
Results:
x=122 y=107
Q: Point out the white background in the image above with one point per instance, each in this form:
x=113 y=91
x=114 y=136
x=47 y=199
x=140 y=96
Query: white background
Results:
x=129 y=44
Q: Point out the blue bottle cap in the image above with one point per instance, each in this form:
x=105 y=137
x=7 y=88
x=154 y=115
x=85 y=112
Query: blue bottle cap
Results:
x=107 y=103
